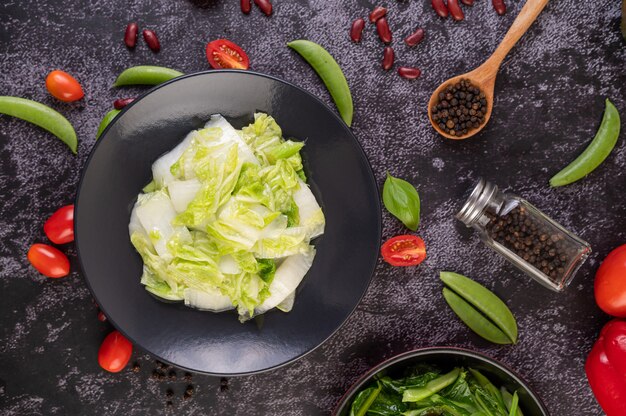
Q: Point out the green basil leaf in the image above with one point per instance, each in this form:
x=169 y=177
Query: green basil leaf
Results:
x=402 y=200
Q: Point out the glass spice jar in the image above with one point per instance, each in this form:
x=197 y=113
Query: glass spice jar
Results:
x=525 y=236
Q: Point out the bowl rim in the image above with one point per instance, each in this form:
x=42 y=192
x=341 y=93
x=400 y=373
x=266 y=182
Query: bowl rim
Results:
x=419 y=352
x=359 y=147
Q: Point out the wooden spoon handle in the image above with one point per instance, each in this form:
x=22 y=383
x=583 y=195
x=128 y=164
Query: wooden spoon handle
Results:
x=526 y=17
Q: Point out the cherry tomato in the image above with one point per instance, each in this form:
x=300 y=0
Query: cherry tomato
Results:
x=114 y=352
x=48 y=260
x=223 y=53
x=60 y=226
x=610 y=283
x=404 y=250
x=64 y=86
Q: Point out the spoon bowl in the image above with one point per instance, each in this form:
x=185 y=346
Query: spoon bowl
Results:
x=485 y=85
x=484 y=77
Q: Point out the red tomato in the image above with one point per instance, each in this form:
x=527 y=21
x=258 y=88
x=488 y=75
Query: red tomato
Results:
x=114 y=352
x=404 y=250
x=48 y=260
x=610 y=283
x=60 y=226
x=223 y=53
x=64 y=86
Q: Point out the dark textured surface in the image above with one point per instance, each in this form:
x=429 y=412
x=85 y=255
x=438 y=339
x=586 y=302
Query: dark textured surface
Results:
x=549 y=102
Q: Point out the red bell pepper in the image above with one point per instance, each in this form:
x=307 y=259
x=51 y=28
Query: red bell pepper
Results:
x=606 y=368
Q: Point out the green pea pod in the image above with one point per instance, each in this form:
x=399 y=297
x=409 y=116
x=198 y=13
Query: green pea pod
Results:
x=474 y=319
x=598 y=150
x=484 y=300
x=145 y=75
x=329 y=71
x=106 y=120
x=42 y=116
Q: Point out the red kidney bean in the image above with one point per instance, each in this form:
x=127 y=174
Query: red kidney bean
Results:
x=122 y=102
x=415 y=37
x=246 y=6
x=388 y=56
x=265 y=6
x=152 y=40
x=382 y=27
x=468 y=2
x=377 y=13
x=499 y=6
x=130 y=36
x=440 y=7
x=356 y=31
x=408 y=72
x=101 y=317
x=455 y=10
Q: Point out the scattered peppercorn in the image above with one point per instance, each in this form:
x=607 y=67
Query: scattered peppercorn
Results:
x=169 y=393
x=169 y=404
x=537 y=243
x=136 y=367
x=158 y=375
x=188 y=392
x=172 y=375
x=461 y=107
x=161 y=365
x=224 y=384
x=188 y=376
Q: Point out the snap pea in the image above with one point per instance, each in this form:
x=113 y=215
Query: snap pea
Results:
x=598 y=150
x=145 y=75
x=473 y=319
x=484 y=300
x=108 y=118
x=42 y=116
x=329 y=71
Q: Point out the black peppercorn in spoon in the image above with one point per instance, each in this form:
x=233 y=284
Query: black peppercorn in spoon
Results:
x=484 y=77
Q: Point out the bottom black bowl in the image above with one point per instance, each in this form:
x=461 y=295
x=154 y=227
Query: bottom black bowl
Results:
x=448 y=358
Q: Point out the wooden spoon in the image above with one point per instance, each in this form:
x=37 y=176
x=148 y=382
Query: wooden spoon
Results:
x=484 y=77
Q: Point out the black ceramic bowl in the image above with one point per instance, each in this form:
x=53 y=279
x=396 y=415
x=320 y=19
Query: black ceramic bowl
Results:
x=446 y=359
x=218 y=344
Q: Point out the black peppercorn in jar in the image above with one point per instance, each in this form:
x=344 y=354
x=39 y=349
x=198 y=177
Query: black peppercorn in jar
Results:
x=525 y=236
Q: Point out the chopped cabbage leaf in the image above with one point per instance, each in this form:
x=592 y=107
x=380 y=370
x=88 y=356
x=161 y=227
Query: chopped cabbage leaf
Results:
x=227 y=220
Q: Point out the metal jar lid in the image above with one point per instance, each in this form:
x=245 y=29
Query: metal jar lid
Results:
x=477 y=201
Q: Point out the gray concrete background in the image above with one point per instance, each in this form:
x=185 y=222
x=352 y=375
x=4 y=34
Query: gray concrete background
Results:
x=549 y=101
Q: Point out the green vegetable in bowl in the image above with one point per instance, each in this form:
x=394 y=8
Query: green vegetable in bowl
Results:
x=402 y=200
x=42 y=116
x=598 y=150
x=330 y=72
x=424 y=390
